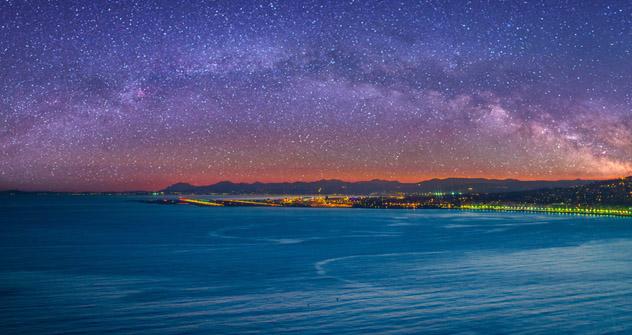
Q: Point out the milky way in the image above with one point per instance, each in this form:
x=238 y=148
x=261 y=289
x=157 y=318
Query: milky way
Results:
x=137 y=95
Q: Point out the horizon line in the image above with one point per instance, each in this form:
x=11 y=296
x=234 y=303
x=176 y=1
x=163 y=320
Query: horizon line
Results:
x=5 y=190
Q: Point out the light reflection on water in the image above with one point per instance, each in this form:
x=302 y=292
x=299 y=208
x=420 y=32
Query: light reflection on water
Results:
x=95 y=265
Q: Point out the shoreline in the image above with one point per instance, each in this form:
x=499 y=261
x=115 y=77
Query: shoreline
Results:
x=550 y=210
x=345 y=202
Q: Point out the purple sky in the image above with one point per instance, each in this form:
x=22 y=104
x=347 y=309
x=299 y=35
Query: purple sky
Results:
x=128 y=95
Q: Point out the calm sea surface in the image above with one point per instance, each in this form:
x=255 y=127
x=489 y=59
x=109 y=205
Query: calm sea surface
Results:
x=94 y=265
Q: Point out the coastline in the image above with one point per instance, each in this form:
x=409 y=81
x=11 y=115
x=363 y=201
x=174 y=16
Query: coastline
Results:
x=594 y=211
x=396 y=203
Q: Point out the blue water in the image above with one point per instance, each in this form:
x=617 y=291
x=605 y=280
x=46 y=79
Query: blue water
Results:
x=94 y=265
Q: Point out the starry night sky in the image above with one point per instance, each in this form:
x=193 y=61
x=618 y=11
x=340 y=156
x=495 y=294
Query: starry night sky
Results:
x=141 y=94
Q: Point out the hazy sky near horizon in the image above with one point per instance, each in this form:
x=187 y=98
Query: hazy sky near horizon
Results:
x=119 y=95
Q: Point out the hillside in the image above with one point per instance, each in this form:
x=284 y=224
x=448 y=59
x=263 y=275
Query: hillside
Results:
x=616 y=192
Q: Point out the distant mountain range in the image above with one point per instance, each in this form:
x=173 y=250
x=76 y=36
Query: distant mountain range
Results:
x=465 y=185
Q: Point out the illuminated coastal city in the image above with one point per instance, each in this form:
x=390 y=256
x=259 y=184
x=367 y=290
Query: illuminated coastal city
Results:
x=600 y=198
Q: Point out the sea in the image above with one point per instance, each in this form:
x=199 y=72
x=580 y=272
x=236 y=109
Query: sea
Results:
x=116 y=265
